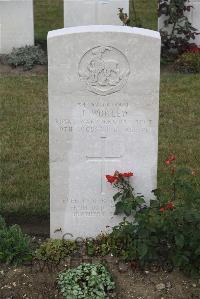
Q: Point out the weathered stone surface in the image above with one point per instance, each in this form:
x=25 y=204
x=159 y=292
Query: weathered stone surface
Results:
x=16 y=24
x=194 y=18
x=93 y=12
x=103 y=116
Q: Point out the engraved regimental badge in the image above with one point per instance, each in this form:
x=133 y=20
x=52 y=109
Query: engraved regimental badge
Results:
x=104 y=69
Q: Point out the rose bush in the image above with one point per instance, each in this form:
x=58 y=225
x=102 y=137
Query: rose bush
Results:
x=177 y=34
x=166 y=231
x=126 y=200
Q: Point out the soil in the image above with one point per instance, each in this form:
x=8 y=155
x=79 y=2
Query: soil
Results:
x=6 y=69
x=33 y=226
x=30 y=282
x=38 y=281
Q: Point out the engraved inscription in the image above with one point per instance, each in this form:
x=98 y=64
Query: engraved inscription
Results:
x=99 y=117
x=92 y=210
x=104 y=69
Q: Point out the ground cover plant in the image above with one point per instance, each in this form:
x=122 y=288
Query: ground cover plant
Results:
x=14 y=245
x=27 y=57
x=86 y=281
x=188 y=62
x=52 y=252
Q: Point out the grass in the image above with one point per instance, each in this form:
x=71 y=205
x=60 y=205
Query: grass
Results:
x=48 y=15
x=146 y=11
x=24 y=154
x=179 y=129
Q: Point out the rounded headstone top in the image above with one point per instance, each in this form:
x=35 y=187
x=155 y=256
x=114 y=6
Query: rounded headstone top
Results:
x=104 y=28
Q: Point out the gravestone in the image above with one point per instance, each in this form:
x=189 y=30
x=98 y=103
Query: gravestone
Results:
x=193 y=17
x=16 y=24
x=93 y=12
x=103 y=116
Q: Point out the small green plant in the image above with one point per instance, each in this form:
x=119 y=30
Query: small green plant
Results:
x=122 y=241
x=126 y=201
x=188 y=62
x=51 y=252
x=124 y=17
x=27 y=57
x=14 y=245
x=134 y=20
x=99 y=246
x=2 y=223
x=89 y=281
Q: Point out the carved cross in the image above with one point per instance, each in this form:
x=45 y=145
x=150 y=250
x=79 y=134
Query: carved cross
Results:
x=103 y=159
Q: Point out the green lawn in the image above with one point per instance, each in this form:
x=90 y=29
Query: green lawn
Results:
x=24 y=154
x=179 y=128
x=146 y=11
x=48 y=15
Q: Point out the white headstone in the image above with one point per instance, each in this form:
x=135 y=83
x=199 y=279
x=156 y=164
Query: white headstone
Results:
x=93 y=12
x=16 y=19
x=103 y=116
x=193 y=17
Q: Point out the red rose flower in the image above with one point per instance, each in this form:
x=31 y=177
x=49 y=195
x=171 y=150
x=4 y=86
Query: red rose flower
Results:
x=111 y=179
x=195 y=50
x=162 y=209
x=127 y=174
x=193 y=172
x=170 y=205
x=170 y=159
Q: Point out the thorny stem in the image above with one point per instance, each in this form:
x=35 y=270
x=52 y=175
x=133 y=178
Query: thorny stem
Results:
x=172 y=33
x=174 y=191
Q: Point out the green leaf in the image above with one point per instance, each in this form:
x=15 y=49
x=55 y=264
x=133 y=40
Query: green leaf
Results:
x=139 y=199
x=128 y=208
x=197 y=251
x=143 y=249
x=119 y=208
x=117 y=195
x=179 y=239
